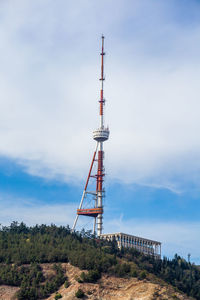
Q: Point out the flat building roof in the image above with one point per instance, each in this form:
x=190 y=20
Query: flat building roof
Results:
x=130 y=235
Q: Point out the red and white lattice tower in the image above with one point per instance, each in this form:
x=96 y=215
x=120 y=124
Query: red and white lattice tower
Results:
x=100 y=135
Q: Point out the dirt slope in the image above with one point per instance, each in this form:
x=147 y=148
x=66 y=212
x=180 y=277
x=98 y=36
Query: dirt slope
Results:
x=108 y=288
x=111 y=288
x=7 y=292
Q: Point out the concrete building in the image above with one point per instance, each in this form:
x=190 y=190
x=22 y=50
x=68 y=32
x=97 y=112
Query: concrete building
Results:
x=146 y=246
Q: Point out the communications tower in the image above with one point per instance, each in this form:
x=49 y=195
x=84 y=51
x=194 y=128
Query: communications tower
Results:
x=100 y=135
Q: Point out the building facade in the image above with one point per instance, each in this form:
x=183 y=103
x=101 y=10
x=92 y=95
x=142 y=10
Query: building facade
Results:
x=146 y=246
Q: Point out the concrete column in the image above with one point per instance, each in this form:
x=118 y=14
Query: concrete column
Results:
x=156 y=249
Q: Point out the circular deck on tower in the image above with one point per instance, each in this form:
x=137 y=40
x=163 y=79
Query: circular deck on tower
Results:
x=101 y=135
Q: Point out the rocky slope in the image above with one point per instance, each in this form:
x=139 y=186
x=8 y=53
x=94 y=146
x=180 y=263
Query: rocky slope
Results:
x=107 y=288
x=112 y=288
x=8 y=292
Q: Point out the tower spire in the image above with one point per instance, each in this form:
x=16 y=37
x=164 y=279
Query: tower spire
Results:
x=100 y=135
x=102 y=79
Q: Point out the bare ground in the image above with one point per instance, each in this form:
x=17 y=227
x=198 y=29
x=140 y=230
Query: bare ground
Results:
x=107 y=288
x=8 y=292
x=112 y=288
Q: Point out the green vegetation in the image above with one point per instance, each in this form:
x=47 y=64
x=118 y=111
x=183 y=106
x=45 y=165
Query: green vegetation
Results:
x=23 y=249
x=57 y=296
x=79 y=294
x=92 y=276
x=31 y=287
x=66 y=283
x=142 y=275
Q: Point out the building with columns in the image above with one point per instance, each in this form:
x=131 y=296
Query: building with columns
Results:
x=146 y=246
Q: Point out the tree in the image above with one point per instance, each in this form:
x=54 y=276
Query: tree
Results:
x=79 y=294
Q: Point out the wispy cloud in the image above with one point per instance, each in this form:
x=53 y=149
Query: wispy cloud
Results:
x=31 y=211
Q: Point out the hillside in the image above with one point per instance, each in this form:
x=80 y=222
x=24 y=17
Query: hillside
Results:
x=107 y=288
x=36 y=262
x=110 y=288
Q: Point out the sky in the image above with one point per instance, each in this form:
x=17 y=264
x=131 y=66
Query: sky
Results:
x=49 y=82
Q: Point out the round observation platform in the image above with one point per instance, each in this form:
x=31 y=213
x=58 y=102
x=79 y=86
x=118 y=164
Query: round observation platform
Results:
x=101 y=135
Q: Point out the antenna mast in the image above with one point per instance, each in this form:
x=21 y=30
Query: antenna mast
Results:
x=100 y=135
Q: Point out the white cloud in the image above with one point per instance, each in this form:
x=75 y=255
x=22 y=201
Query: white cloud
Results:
x=31 y=211
x=49 y=90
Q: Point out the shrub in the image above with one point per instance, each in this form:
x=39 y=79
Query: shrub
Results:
x=82 y=277
x=91 y=276
x=175 y=297
x=134 y=273
x=66 y=284
x=89 y=293
x=142 y=275
x=78 y=279
x=156 y=294
x=57 y=296
x=122 y=270
x=79 y=294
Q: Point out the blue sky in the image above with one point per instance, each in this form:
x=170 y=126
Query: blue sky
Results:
x=50 y=66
